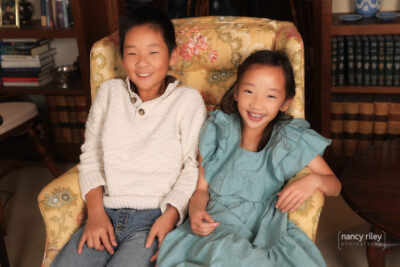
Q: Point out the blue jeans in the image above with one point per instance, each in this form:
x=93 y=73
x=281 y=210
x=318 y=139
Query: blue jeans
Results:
x=131 y=228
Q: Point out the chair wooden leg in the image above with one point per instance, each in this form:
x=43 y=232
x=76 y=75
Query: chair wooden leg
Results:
x=43 y=152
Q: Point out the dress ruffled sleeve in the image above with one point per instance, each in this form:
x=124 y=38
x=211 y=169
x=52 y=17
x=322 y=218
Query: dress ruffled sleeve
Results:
x=296 y=145
x=213 y=141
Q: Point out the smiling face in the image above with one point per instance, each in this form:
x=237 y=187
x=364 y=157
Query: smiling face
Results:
x=146 y=60
x=260 y=96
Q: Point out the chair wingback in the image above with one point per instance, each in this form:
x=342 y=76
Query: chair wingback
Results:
x=209 y=51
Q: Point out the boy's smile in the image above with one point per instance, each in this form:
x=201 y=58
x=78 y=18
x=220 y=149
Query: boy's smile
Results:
x=146 y=60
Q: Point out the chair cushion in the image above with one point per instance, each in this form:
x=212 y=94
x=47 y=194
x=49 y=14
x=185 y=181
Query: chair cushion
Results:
x=16 y=113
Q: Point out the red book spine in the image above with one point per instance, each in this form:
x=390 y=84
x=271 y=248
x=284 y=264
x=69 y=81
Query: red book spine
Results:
x=19 y=79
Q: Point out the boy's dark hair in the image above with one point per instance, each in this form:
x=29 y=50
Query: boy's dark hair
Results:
x=268 y=58
x=146 y=15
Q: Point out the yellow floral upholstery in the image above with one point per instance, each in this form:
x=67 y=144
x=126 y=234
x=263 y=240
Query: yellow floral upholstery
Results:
x=210 y=50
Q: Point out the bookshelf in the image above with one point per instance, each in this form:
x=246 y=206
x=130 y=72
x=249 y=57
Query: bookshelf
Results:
x=93 y=19
x=327 y=25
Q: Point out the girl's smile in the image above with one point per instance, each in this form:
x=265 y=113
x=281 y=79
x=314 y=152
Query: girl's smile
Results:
x=260 y=96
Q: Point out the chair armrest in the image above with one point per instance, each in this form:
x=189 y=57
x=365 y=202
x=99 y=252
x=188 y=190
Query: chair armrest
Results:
x=306 y=217
x=63 y=211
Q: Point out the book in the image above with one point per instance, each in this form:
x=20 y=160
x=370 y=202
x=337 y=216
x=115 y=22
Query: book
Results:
x=381 y=60
x=27 y=64
x=30 y=49
x=340 y=61
x=59 y=13
x=46 y=2
x=81 y=110
x=32 y=70
x=334 y=61
x=337 y=124
x=365 y=121
x=358 y=59
x=373 y=56
x=63 y=119
x=38 y=83
x=351 y=78
x=24 y=74
x=43 y=20
x=38 y=57
x=365 y=60
x=393 y=122
x=389 y=49
x=53 y=11
x=65 y=13
x=73 y=120
x=381 y=110
x=350 y=124
x=39 y=78
x=51 y=108
x=396 y=69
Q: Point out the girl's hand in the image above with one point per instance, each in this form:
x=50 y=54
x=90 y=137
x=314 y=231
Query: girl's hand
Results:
x=161 y=227
x=294 y=194
x=202 y=223
x=98 y=233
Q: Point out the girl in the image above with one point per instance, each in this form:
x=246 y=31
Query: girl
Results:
x=139 y=161
x=238 y=215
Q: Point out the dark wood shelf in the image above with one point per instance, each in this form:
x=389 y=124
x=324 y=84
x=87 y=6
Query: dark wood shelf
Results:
x=365 y=26
x=366 y=89
x=48 y=89
x=34 y=30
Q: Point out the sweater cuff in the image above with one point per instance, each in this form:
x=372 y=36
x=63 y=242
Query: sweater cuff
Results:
x=90 y=180
x=179 y=200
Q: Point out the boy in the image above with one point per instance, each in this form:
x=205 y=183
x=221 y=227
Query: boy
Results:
x=139 y=160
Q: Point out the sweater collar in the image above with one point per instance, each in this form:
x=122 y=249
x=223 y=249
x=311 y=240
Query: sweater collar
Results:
x=171 y=83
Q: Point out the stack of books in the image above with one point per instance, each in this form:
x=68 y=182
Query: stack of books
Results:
x=26 y=62
x=361 y=120
x=367 y=60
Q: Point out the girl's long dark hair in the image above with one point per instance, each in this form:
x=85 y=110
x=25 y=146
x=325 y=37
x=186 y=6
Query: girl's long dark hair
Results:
x=268 y=58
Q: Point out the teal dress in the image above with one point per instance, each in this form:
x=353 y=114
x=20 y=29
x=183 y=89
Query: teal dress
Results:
x=243 y=187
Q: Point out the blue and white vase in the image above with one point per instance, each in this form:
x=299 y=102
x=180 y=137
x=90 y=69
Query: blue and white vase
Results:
x=367 y=8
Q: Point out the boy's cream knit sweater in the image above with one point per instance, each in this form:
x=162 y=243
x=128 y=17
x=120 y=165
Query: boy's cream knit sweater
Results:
x=143 y=153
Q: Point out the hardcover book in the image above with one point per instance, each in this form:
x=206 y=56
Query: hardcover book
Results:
x=365 y=121
x=337 y=124
x=389 y=54
x=394 y=117
x=351 y=78
x=381 y=111
x=350 y=124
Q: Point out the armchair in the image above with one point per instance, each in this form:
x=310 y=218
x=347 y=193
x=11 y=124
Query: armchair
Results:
x=210 y=49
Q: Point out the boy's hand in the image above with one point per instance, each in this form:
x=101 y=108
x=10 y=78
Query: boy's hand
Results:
x=294 y=194
x=98 y=233
x=202 y=223
x=161 y=227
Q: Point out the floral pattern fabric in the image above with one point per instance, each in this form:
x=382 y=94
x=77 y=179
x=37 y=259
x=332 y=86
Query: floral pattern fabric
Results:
x=209 y=52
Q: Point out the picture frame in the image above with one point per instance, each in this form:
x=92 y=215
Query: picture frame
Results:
x=9 y=10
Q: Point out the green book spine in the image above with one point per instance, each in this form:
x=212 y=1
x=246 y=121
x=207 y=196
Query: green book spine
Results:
x=389 y=55
x=373 y=55
x=334 y=61
x=381 y=60
x=358 y=57
x=351 y=78
x=396 y=70
x=366 y=60
x=340 y=62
